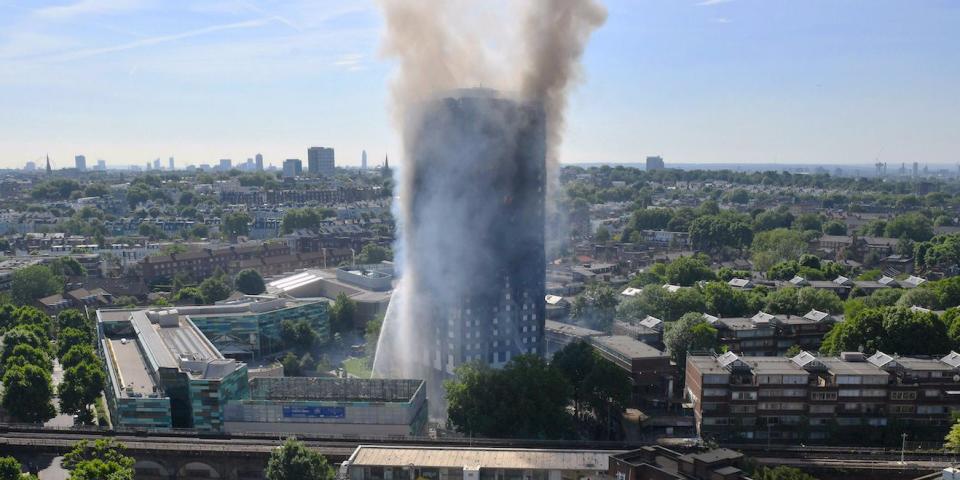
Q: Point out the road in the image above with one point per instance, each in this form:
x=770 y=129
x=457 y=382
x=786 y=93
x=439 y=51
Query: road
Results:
x=61 y=420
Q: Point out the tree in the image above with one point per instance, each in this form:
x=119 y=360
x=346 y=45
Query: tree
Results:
x=686 y=271
x=891 y=330
x=607 y=390
x=70 y=337
x=34 y=282
x=81 y=386
x=249 y=282
x=236 y=224
x=602 y=235
x=808 y=221
x=834 y=227
x=308 y=218
x=73 y=318
x=920 y=297
x=294 y=461
x=781 y=473
x=23 y=354
x=102 y=459
x=10 y=470
x=78 y=354
x=772 y=219
x=373 y=253
x=770 y=247
x=690 y=333
x=574 y=362
x=214 y=289
x=596 y=306
x=307 y=363
x=298 y=334
x=524 y=399
x=343 y=313
x=914 y=226
x=809 y=298
x=27 y=393
x=22 y=335
x=952 y=440
x=291 y=365
x=724 y=301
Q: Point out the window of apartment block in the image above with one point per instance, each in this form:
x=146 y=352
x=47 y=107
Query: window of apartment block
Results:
x=769 y=379
x=849 y=392
x=822 y=408
x=874 y=392
x=823 y=396
x=932 y=392
x=903 y=395
x=849 y=380
x=901 y=408
x=744 y=395
x=715 y=379
x=714 y=392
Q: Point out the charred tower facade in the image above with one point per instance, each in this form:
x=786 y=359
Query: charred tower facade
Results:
x=475 y=235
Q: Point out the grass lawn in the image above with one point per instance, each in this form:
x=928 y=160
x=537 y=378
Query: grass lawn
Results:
x=356 y=367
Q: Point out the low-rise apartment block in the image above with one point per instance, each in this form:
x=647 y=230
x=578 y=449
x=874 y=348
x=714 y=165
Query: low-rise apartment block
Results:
x=852 y=398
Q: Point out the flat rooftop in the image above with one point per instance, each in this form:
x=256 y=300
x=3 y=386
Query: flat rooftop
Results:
x=570 y=330
x=166 y=339
x=626 y=347
x=334 y=389
x=133 y=375
x=481 y=457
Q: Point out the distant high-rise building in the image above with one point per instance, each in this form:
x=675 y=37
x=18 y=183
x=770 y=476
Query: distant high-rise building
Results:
x=320 y=161
x=156 y=164
x=30 y=167
x=101 y=164
x=225 y=164
x=171 y=164
x=80 y=162
x=292 y=167
x=363 y=160
x=259 y=158
x=654 y=163
x=916 y=169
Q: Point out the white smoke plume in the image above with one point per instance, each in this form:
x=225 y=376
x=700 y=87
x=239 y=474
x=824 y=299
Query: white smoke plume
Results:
x=530 y=49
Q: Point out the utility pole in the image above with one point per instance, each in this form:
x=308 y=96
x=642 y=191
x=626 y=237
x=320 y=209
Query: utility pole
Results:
x=903 y=448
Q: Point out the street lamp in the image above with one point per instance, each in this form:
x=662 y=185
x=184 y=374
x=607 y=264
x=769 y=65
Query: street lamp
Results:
x=903 y=448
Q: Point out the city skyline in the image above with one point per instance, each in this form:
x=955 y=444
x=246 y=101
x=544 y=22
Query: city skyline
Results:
x=728 y=81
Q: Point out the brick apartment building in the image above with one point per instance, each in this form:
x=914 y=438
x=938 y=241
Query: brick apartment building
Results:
x=201 y=264
x=852 y=399
x=766 y=334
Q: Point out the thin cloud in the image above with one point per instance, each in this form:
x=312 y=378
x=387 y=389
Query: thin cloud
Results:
x=146 y=42
x=721 y=20
x=710 y=3
x=89 y=7
x=351 y=62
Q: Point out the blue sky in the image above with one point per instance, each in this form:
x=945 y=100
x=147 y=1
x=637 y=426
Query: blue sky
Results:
x=745 y=81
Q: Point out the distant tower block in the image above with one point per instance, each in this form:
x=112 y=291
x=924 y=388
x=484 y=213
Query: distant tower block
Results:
x=654 y=163
x=363 y=160
x=259 y=160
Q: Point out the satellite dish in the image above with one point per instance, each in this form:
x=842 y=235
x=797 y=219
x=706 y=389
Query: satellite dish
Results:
x=956 y=378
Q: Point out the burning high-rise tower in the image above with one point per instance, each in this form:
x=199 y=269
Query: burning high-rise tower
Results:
x=473 y=245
